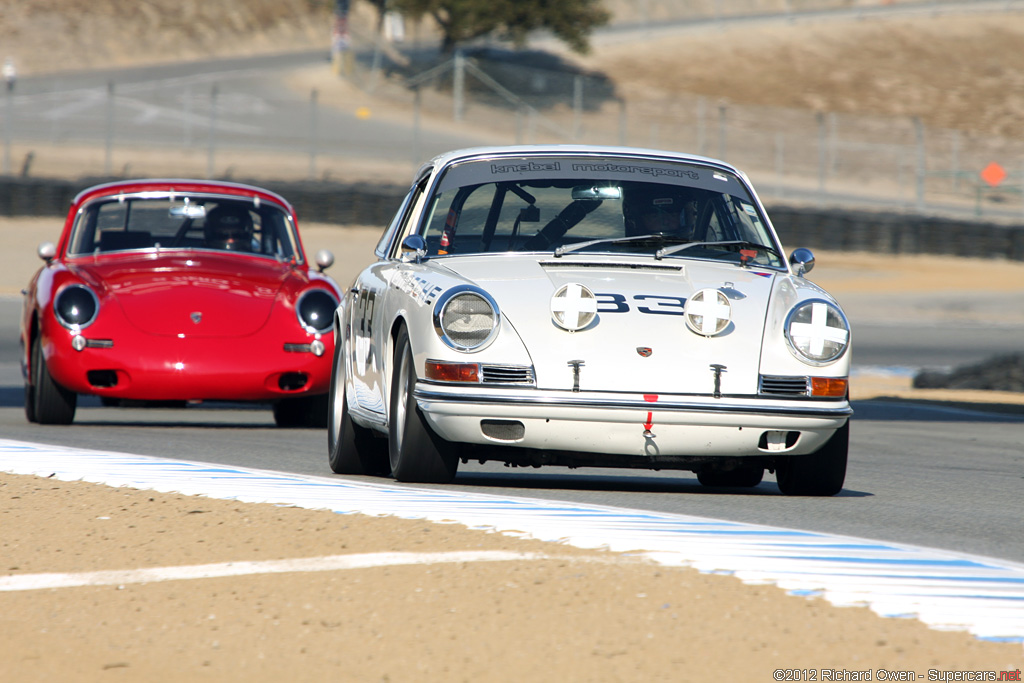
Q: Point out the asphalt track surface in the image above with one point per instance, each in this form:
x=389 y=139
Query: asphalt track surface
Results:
x=240 y=101
x=926 y=475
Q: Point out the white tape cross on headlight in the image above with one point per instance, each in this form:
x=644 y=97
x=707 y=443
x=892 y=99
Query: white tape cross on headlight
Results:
x=712 y=306
x=573 y=306
x=818 y=331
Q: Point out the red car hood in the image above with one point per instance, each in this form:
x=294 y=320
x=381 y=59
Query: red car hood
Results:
x=200 y=294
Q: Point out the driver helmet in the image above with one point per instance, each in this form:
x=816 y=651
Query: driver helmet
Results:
x=229 y=227
x=658 y=209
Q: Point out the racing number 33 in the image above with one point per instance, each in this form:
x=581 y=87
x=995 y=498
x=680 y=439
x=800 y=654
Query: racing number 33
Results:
x=655 y=304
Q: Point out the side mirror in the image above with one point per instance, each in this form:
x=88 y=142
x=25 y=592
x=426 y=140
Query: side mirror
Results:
x=802 y=261
x=324 y=259
x=413 y=248
x=47 y=251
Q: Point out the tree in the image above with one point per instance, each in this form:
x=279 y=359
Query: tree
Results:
x=461 y=20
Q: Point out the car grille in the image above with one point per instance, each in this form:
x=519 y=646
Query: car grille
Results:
x=507 y=374
x=783 y=386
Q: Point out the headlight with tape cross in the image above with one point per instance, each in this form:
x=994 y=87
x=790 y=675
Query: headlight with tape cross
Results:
x=573 y=307
x=708 y=312
x=817 y=332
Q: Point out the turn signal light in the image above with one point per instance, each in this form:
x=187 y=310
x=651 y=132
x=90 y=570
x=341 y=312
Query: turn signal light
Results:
x=829 y=387
x=452 y=372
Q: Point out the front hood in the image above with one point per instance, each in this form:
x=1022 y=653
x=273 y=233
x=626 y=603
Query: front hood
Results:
x=206 y=295
x=639 y=342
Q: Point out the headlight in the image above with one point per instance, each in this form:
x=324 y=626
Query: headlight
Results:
x=76 y=306
x=817 y=332
x=466 y=318
x=573 y=307
x=708 y=312
x=316 y=310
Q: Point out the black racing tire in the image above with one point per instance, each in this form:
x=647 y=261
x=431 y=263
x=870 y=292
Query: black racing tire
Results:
x=47 y=402
x=415 y=452
x=744 y=476
x=819 y=474
x=303 y=411
x=351 y=449
x=30 y=397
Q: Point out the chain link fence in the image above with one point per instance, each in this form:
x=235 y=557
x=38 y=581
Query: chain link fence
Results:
x=795 y=155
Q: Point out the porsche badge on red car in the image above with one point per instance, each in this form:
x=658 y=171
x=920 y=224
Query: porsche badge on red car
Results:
x=179 y=290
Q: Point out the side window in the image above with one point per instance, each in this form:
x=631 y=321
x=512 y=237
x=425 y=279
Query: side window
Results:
x=83 y=238
x=399 y=225
x=715 y=231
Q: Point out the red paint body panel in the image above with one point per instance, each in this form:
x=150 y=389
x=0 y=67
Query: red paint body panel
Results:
x=181 y=323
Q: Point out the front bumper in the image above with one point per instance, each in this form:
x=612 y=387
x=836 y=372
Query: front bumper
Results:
x=149 y=368
x=630 y=424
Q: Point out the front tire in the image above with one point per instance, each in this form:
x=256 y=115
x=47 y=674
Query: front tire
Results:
x=818 y=474
x=47 y=402
x=351 y=449
x=416 y=453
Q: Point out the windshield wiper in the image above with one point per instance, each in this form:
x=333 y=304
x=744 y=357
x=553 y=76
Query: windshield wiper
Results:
x=565 y=249
x=665 y=251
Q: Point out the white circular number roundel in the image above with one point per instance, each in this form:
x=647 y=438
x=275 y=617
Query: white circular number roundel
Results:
x=573 y=307
x=708 y=312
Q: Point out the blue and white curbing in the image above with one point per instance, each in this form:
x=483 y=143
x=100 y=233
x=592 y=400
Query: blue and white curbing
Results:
x=944 y=589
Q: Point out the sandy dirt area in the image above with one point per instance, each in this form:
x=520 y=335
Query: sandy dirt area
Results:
x=570 y=616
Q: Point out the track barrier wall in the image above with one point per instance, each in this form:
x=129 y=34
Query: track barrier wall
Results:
x=812 y=227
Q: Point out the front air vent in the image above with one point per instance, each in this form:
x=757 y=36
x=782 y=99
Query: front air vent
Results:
x=507 y=374
x=783 y=386
x=103 y=379
x=292 y=381
x=503 y=430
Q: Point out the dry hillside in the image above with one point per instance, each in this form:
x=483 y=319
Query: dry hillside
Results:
x=960 y=70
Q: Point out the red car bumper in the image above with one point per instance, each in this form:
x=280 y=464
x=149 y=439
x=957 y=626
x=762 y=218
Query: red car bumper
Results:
x=145 y=367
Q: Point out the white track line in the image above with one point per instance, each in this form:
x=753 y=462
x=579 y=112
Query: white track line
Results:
x=944 y=589
x=29 y=582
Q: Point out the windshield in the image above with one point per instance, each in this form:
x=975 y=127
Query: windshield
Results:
x=184 y=222
x=638 y=209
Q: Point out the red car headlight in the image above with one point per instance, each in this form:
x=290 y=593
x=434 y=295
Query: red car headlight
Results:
x=316 y=310
x=76 y=306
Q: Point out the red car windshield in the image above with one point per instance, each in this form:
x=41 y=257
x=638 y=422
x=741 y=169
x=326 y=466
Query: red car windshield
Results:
x=198 y=222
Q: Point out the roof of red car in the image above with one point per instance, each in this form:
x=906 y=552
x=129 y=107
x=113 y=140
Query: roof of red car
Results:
x=184 y=185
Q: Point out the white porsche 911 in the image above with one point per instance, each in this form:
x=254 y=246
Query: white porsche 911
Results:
x=589 y=306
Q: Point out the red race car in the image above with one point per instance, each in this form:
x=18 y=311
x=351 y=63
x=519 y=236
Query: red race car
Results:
x=179 y=290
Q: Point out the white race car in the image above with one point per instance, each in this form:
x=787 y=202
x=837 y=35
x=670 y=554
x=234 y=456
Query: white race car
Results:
x=589 y=306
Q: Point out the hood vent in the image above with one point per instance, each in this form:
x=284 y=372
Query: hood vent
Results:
x=610 y=266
